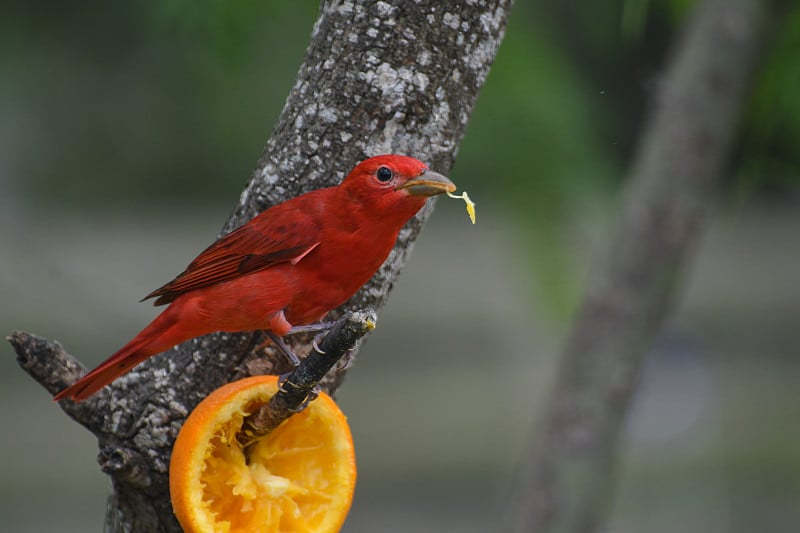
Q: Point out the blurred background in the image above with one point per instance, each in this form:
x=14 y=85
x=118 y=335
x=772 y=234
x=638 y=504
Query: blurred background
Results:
x=127 y=131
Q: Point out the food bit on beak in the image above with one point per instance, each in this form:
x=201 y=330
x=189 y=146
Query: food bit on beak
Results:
x=470 y=203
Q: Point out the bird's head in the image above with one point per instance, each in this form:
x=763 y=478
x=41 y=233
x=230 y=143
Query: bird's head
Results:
x=395 y=184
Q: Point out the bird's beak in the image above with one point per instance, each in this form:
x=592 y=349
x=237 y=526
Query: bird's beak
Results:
x=428 y=183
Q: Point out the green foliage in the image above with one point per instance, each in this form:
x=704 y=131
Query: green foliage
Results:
x=145 y=103
x=233 y=30
x=531 y=140
x=769 y=155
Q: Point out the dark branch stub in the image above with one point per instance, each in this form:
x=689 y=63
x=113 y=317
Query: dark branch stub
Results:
x=46 y=361
x=124 y=464
x=300 y=384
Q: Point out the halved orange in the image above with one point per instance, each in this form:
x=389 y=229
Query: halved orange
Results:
x=299 y=478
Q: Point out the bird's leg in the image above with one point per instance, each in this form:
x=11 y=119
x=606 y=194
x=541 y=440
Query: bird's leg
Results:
x=311 y=328
x=283 y=380
x=279 y=327
x=284 y=348
x=321 y=328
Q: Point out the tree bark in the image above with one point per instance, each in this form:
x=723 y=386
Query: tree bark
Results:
x=566 y=483
x=378 y=77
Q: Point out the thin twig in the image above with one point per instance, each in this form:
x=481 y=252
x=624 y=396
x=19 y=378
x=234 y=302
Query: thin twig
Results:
x=298 y=388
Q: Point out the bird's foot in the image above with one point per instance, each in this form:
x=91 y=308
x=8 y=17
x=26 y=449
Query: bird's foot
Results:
x=284 y=348
x=315 y=344
x=319 y=327
x=284 y=385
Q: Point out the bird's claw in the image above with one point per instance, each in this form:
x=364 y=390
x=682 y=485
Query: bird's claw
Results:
x=315 y=344
x=294 y=361
x=283 y=382
x=310 y=397
x=283 y=379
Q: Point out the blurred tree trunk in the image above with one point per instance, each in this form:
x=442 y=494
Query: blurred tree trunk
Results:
x=566 y=484
x=378 y=77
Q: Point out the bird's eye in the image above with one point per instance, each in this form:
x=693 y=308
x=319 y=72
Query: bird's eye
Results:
x=384 y=174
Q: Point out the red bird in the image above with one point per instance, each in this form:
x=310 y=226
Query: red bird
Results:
x=288 y=266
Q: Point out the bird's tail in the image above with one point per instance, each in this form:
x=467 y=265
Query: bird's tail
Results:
x=160 y=335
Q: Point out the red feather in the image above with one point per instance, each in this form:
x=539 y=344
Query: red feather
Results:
x=288 y=266
x=226 y=258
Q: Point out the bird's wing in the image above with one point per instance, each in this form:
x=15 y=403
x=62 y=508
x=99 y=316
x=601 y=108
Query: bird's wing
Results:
x=264 y=242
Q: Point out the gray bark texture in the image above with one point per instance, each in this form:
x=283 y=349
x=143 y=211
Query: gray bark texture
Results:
x=378 y=77
x=567 y=482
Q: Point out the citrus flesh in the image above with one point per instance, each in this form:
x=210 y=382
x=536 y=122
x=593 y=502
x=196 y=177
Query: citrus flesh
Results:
x=298 y=478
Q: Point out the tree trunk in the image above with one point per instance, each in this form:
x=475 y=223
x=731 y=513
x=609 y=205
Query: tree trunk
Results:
x=567 y=481
x=378 y=77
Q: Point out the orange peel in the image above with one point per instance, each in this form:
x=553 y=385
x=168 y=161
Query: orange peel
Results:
x=299 y=477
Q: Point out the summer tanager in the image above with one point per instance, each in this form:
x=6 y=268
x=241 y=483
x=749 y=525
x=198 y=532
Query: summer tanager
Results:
x=288 y=266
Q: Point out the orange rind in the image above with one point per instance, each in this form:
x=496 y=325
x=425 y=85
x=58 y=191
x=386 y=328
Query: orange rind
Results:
x=298 y=478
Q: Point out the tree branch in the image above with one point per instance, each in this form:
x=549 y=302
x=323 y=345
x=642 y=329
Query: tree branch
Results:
x=301 y=383
x=673 y=183
x=378 y=77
